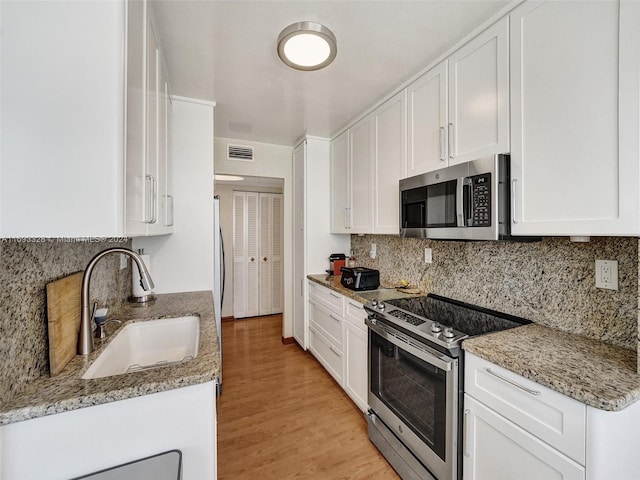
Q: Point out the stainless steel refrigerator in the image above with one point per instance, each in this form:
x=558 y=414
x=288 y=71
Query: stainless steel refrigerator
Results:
x=218 y=272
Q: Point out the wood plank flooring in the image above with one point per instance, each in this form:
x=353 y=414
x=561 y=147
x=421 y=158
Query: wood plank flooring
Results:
x=281 y=416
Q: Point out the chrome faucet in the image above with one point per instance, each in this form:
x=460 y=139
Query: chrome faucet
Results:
x=85 y=338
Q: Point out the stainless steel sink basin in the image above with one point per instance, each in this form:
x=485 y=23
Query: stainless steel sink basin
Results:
x=149 y=344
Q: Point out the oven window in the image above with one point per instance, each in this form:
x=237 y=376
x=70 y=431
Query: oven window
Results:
x=414 y=208
x=412 y=389
x=441 y=205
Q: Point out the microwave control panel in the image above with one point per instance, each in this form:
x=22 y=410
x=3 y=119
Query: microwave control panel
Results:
x=481 y=200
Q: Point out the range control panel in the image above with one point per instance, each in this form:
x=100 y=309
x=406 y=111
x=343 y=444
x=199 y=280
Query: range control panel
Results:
x=481 y=200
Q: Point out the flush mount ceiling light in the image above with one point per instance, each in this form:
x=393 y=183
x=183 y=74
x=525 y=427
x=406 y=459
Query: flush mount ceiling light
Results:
x=307 y=46
x=228 y=178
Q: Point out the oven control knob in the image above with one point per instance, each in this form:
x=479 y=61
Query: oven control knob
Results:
x=381 y=305
x=374 y=302
x=373 y=320
x=436 y=328
x=448 y=332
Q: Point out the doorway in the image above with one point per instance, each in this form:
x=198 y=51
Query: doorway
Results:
x=226 y=191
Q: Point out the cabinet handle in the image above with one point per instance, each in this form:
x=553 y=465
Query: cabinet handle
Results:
x=355 y=305
x=513 y=200
x=345 y=218
x=168 y=221
x=511 y=382
x=302 y=221
x=451 y=142
x=338 y=354
x=465 y=440
x=150 y=192
x=337 y=319
x=264 y=259
x=443 y=157
x=334 y=295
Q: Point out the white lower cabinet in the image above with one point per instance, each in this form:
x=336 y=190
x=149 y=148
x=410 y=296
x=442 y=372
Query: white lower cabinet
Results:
x=497 y=449
x=338 y=339
x=355 y=351
x=515 y=428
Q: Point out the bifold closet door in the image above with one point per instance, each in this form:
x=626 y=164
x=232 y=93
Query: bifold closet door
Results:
x=271 y=226
x=257 y=254
x=245 y=254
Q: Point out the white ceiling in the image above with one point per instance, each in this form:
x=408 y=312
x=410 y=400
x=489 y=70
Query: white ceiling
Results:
x=225 y=50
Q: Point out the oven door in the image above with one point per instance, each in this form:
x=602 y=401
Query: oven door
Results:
x=414 y=391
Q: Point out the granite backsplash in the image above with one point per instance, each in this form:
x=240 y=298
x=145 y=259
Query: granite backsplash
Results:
x=551 y=282
x=26 y=268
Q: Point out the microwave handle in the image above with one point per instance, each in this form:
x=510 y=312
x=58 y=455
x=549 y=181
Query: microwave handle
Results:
x=461 y=207
x=468 y=201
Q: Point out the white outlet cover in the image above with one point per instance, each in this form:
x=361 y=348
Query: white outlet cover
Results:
x=428 y=256
x=607 y=274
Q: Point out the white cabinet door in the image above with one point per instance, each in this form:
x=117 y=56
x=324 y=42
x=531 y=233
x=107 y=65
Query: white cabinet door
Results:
x=496 y=449
x=479 y=96
x=389 y=162
x=361 y=174
x=62 y=106
x=339 y=188
x=574 y=98
x=245 y=255
x=355 y=352
x=428 y=122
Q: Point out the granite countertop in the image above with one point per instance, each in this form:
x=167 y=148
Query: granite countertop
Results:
x=68 y=391
x=384 y=294
x=595 y=373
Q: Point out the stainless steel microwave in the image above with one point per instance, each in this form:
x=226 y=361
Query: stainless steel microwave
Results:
x=468 y=201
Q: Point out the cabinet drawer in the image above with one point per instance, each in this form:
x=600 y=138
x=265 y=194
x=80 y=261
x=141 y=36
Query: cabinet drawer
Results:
x=355 y=314
x=326 y=353
x=552 y=417
x=330 y=299
x=327 y=321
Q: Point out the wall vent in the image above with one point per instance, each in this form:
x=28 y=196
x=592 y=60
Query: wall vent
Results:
x=239 y=152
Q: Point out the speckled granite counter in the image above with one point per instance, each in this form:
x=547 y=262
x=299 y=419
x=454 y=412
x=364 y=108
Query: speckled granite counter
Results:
x=68 y=391
x=595 y=373
x=333 y=282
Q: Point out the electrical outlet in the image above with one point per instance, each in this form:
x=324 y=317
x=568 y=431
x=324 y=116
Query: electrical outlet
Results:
x=607 y=274
x=373 y=251
x=428 y=257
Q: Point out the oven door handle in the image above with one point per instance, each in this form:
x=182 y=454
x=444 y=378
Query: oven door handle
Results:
x=423 y=352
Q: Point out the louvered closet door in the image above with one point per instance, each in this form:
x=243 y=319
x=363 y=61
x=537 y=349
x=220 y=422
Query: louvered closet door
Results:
x=277 y=253
x=245 y=254
x=265 y=254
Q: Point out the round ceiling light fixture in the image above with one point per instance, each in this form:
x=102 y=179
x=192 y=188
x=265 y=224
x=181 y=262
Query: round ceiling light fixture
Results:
x=307 y=46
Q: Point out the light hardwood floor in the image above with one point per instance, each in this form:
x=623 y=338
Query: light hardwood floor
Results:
x=281 y=416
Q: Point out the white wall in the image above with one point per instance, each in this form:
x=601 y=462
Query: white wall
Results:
x=225 y=191
x=269 y=161
x=183 y=261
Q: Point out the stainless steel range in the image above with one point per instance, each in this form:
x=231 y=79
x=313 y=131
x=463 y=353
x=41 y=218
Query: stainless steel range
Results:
x=416 y=380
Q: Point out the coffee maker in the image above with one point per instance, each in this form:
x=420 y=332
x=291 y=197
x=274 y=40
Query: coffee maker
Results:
x=336 y=260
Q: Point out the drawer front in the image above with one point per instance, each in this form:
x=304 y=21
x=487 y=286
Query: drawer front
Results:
x=327 y=354
x=355 y=314
x=330 y=299
x=552 y=417
x=329 y=322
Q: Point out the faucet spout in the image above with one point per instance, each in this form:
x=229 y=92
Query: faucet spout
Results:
x=85 y=337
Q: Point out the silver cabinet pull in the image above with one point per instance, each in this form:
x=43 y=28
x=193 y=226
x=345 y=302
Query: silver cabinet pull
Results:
x=168 y=212
x=513 y=200
x=150 y=194
x=511 y=382
x=465 y=440
x=335 y=351
x=334 y=295
x=443 y=157
x=337 y=319
x=345 y=217
x=451 y=130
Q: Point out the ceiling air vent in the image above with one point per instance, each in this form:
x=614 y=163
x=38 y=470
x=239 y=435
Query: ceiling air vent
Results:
x=239 y=152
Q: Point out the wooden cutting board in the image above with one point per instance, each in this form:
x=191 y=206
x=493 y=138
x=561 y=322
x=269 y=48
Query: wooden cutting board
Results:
x=63 y=314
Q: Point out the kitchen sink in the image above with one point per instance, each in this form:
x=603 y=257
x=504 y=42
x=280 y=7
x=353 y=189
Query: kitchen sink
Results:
x=149 y=344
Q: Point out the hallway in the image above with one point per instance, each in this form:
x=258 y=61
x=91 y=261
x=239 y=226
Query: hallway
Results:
x=281 y=416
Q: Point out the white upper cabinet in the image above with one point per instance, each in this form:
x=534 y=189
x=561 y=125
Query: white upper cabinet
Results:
x=361 y=174
x=574 y=110
x=61 y=100
x=428 y=124
x=339 y=184
x=389 y=162
x=479 y=96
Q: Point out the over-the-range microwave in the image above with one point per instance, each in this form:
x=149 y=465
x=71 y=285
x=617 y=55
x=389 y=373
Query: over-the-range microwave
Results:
x=468 y=201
